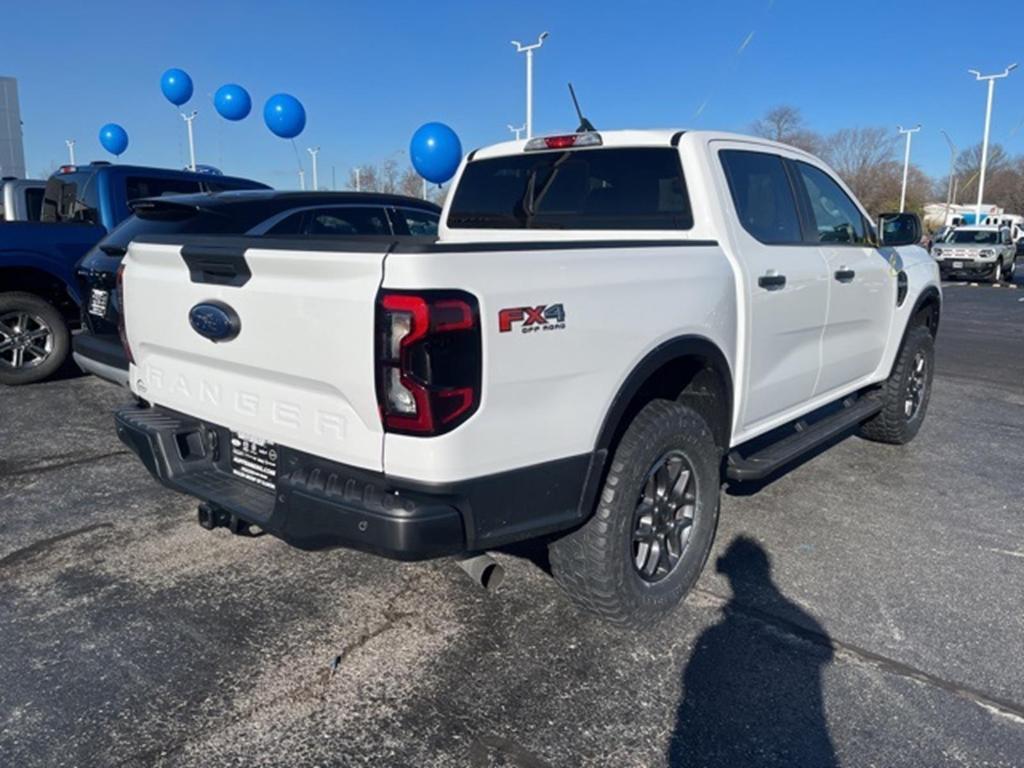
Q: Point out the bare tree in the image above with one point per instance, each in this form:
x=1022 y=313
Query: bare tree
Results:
x=867 y=160
x=785 y=124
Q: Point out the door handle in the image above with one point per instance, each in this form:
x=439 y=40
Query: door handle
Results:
x=844 y=275
x=771 y=281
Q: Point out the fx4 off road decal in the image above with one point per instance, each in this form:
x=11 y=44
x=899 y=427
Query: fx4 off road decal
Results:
x=550 y=317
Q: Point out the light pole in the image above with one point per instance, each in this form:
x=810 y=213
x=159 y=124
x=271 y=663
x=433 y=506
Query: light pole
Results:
x=906 y=163
x=191 y=139
x=302 y=180
x=528 y=50
x=952 y=166
x=313 y=152
x=515 y=130
x=70 y=144
x=358 y=189
x=988 y=122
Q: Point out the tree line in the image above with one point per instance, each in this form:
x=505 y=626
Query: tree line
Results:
x=870 y=161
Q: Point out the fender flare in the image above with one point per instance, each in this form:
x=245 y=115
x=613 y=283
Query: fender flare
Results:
x=690 y=345
x=27 y=260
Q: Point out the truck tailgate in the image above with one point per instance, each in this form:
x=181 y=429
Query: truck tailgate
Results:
x=298 y=373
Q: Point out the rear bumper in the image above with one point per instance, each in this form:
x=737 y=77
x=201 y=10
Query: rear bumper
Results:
x=101 y=356
x=319 y=504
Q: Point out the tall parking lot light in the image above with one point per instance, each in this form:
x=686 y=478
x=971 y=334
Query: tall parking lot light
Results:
x=528 y=50
x=906 y=163
x=988 y=122
x=191 y=139
x=515 y=130
x=952 y=167
x=313 y=152
x=70 y=144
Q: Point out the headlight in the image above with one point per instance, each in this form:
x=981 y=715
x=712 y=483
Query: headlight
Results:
x=984 y=253
x=937 y=251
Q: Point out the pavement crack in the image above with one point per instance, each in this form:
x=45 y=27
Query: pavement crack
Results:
x=12 y=468
x=37 y=547
x=995 y=704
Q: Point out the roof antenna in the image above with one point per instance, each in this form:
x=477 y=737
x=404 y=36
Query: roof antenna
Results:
x=585 y=125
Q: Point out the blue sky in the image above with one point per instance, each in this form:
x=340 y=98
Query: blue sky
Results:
x=370 y=73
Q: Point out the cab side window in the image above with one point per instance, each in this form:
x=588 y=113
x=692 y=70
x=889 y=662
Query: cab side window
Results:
x=419 y=222
x=348 y=221
x=835 y=217
x=762 y=195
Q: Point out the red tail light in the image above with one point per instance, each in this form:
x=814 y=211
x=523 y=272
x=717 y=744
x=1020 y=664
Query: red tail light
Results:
x=428 y=360
x=120 y=315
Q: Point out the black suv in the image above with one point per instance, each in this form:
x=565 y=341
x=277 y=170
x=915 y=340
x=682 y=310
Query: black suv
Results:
x=261 y=213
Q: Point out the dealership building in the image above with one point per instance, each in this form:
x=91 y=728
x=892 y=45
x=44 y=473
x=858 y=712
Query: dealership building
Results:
x=12 y=152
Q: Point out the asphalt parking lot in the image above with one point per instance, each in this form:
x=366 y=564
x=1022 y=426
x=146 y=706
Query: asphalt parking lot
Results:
x=864 y=609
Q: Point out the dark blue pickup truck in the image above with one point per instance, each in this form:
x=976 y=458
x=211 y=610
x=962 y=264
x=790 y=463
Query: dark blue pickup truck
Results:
x=38 y=291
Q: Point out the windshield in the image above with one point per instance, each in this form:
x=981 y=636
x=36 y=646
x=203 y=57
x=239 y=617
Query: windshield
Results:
x=976 y=236
x=627 y=188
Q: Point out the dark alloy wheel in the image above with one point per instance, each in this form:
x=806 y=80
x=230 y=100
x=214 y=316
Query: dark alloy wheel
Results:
x=917 y=382
x=664 y=517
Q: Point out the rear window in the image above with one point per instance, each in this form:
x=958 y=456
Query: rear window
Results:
x=226 y=220
x=71 y=198
x=34 y=201
x=142 y=186
x=616 y=188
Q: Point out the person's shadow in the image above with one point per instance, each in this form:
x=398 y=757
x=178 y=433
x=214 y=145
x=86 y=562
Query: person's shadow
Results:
x=752 y=688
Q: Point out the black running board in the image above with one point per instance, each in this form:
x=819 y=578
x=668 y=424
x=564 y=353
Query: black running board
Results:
x=804 y=438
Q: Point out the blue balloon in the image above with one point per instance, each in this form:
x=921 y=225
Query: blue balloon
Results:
x=114 y=138
x=176 y=86
x=284 y=115
x=232 y=102
x=436 y=152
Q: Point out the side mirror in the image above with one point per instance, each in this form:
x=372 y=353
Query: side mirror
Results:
x=899 y=229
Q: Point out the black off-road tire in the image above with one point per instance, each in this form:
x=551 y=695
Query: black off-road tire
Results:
x=17 y=301
x=595 y=563
x=997 y=272
x=893 y=424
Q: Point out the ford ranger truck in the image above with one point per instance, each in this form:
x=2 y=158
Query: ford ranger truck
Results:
x=607 y=327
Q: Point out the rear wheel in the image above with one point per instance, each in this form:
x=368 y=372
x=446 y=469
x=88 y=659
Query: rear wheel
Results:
x=905 y=394
x=645 y=545
x=34 y=339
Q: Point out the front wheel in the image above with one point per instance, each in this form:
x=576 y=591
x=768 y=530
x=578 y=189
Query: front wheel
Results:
x=647 y=541
x=34 y=339
x=997 y=272
x=905 y=394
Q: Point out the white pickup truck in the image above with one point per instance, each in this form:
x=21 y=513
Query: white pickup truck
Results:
x=607 y=327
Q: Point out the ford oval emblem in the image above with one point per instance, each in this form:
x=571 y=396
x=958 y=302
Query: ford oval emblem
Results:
x=215 y=321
